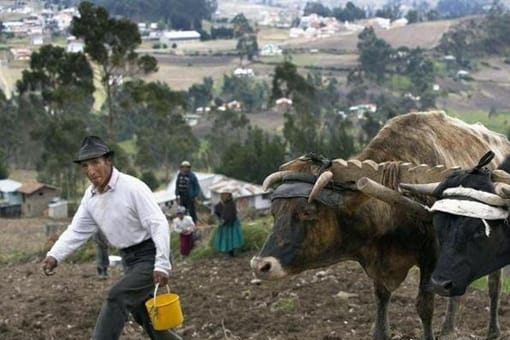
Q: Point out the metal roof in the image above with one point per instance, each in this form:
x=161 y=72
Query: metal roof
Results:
x=33 y=186
x=237 y=188
x=9 y=185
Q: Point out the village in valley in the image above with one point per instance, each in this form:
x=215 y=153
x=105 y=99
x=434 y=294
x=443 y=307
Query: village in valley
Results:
x=244 y=90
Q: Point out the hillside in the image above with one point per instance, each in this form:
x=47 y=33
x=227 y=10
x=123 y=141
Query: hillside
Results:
x=190 y=63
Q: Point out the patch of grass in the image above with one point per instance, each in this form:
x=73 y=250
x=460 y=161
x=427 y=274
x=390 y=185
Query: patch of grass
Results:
x=498 y=122
x=399 y=83
x=129 y=146
x=286 y=305
x=482 y=283
x=303 y=59
x=19 y=256
x=255 y=233
x=86 y=253
x=441 y=69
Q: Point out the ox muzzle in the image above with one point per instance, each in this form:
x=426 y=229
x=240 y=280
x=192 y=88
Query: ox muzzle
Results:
x=267 y=268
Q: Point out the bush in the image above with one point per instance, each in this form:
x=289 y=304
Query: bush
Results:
x=4 y=168
x=255 y=233
x=85 y=253
x=150 y=179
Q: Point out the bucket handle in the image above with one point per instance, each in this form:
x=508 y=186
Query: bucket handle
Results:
x=156 y=291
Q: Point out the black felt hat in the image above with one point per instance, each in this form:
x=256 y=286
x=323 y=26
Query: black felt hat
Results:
x=92 y=147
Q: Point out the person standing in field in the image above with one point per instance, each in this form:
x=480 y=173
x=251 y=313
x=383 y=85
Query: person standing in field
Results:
x=229 y=236
x=183 y=225
x=187 y=189
x=124 y=209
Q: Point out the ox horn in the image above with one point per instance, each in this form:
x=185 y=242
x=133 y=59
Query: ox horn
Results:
x=321 y=182
x=424 y=189
x=385 y=194
x=274 y=177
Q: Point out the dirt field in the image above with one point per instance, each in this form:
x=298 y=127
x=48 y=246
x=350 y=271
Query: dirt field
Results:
x=219 y=301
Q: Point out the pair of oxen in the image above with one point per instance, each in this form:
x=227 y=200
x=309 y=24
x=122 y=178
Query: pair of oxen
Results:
x=418 y=194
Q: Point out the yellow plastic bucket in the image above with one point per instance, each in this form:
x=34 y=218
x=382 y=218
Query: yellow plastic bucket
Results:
x=164 y=310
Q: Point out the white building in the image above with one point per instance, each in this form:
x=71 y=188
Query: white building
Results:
x=271 y=50
x=170 y=37
x=75 y=46
x=9 y=191
x=243 y=72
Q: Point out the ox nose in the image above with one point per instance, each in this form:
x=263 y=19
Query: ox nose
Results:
x=441 y=287
x=259 y=264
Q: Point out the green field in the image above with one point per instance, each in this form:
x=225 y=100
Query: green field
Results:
x=499 y=122
x=482 y=283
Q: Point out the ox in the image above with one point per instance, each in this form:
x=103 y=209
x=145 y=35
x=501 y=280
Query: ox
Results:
x=346 y=214
x=471 y=222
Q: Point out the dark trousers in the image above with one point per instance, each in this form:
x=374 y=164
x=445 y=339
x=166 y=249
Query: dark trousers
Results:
x=189 y=204
x=128 y=295
x=186 y=243
x=102 y=260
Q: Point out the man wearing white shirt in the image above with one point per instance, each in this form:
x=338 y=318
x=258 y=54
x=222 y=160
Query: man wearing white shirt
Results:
x=123 y=208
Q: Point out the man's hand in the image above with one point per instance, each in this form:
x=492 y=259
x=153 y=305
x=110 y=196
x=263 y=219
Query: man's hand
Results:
x=161 y=278
x=49 y=264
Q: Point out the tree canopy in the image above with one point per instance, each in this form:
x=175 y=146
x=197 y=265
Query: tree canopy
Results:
x=177 y=14
x=111 y=43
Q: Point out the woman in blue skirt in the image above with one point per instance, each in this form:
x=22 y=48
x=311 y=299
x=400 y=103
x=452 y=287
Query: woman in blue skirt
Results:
x=229 y=236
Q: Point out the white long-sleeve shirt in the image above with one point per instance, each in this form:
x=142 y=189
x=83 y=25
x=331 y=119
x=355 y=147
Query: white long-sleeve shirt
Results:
x=184 y=225
x=126 y=213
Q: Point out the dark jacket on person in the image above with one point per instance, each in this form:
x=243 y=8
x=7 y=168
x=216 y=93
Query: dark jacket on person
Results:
x=187 y=185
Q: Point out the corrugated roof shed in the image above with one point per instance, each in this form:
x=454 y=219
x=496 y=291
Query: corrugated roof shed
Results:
x=237 y=188
x=32 y=186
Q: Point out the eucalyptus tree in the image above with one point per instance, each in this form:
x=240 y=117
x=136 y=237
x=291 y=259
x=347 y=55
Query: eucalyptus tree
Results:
x=111 y=44
x=56 y=93
x=162 y=136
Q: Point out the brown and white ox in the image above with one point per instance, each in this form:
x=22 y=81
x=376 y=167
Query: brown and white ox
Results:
x=326 y=212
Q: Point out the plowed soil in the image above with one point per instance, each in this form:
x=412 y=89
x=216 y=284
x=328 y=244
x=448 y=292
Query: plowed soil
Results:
x=220 y=301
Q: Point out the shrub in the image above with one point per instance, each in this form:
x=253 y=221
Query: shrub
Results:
x=4 y=167
x=150 y=179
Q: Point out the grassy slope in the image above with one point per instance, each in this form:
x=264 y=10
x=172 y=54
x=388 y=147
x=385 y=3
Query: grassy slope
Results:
x=498 y=123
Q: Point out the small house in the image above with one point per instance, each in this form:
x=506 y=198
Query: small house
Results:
x=283 y=104
x=36 y=198
x=75 y=46
x=244 y=72
x=37 y=40
x=21 y=53
x=171 y=37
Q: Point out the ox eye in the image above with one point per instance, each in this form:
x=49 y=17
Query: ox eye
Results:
x=307 y=214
